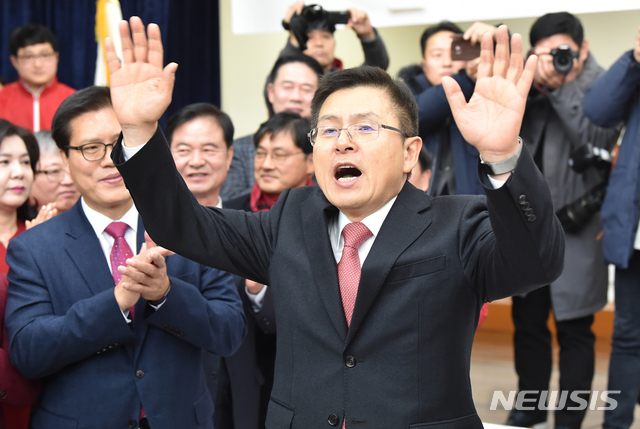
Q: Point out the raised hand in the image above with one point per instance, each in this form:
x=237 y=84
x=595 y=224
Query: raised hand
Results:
x=477 y=30
x=361 y=24
x=491 y=119
x=140 y=87
x=45 y=213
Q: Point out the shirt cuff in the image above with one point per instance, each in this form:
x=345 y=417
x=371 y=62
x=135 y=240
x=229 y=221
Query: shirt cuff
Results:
x=128 y=152
x=497 y=184
x=257 y=299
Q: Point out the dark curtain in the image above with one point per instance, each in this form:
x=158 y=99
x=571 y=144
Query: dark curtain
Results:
x=190 y=33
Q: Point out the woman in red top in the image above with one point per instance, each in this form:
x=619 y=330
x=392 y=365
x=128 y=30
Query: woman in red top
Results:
x=18 y=157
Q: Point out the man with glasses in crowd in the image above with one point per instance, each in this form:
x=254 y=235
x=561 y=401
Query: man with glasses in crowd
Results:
x=377 y=286
x=109 y=356
x=32 y=100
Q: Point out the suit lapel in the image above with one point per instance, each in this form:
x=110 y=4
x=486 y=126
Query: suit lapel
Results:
x=83 y=247
x=316 y=213
x=406 y=221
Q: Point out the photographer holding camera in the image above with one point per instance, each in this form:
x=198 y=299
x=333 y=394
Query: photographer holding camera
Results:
x=311 y=31
x=556 y=131
x=613 y=98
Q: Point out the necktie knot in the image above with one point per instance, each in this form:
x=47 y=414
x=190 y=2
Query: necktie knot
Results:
x=355 y=234
x=116 y=229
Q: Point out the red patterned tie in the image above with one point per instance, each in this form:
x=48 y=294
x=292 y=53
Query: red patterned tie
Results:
x=120 y=251
x=349 y=269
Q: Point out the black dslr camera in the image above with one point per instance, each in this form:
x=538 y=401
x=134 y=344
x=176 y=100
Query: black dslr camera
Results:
x=563 y=58
x=576 y=215
x=314 y=17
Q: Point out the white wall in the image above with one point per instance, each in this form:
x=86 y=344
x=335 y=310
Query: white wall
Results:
x=247 y=59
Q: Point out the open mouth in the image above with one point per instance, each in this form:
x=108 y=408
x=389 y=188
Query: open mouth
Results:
x=347 y=173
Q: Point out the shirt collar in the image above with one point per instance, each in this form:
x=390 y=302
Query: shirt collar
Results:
x=100 y=222
x=374 y=221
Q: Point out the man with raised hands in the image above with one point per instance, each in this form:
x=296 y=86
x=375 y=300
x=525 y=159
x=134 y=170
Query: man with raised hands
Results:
x=377 y=286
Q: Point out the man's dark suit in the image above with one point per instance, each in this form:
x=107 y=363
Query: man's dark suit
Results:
x=404 y=361
x=65 y=327
x=246 y=377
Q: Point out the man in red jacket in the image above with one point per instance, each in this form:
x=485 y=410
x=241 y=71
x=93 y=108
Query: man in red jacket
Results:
x=32 y=100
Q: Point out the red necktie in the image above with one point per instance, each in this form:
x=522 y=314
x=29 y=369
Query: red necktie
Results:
x=349 y=269
x=120 y=251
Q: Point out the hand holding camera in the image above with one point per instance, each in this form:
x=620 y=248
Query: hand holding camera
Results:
x=548 y=76
x=361 y=24
x=301 y=20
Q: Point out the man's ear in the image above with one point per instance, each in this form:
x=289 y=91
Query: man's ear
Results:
x=270 y=92
x=310 y=167
x=14 y=61
x=584 y=51
x=229 y=156
x=65 y=161
x=412 y=147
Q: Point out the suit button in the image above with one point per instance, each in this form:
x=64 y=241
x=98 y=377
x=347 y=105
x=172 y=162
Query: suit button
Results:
x=132 y=423
x=213 y=375
x=139 y=373
x=525 y=206
x=532 y=218
x=333 y=420
x=522 y=199
x=3 y=394
x=528 y=212
x=350 y=361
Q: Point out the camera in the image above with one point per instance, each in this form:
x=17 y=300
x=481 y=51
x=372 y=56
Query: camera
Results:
x=588 y=156
x=315 y=13
x=314 y=17
x=563 y=58
x=575 y=215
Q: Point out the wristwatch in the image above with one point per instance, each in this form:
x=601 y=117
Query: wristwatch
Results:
x=504 y=166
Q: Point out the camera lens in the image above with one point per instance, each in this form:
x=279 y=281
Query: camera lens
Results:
x=563 y=59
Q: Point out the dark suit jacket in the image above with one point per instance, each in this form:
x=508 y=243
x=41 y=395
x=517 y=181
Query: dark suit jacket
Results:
x=66 y=328
x=246 y=377
x=404 y=361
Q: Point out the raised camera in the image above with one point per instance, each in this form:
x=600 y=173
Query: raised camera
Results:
x=563 y=58
x=315 y=12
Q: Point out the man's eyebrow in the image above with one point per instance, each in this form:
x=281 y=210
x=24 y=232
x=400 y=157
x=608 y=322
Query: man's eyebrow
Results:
x=364 y=115
x=353 y=116
x=97 y=139
x=327 y=118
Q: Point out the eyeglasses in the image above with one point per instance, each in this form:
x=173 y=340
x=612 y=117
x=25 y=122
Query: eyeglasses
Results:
x=360 y=132
x=45 y=56
x=53 y=175
x=93 y=151
x=276 y=157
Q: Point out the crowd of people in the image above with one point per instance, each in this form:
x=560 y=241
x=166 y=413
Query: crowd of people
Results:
x=323 y=273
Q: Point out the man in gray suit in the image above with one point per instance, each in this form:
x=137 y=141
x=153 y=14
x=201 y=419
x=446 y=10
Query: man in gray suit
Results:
x=377 y=286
